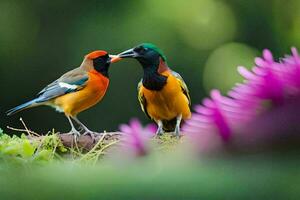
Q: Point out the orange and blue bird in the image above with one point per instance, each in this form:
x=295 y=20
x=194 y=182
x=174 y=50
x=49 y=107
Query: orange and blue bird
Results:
x=76 y=90
x=162 y=93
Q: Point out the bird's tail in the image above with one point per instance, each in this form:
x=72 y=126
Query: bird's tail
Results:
x=21 y=107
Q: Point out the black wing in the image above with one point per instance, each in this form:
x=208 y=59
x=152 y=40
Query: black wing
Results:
x=142 y=99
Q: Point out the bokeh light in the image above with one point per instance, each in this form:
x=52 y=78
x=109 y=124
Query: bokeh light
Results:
x=205 y=25
x=221 y=67
x=287 y=24
x=17 y=37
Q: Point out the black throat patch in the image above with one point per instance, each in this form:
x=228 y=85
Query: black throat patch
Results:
x=152 y=80
x=101 y=65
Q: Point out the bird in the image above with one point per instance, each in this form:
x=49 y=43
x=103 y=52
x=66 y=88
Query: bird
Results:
x=162 y=93
x=76 y=90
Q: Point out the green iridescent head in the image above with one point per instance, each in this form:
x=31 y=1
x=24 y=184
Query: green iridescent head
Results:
x=147 y=54
x=154 y=48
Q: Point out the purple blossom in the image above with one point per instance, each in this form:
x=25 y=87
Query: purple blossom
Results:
x=292 y=73
x=137 y=136
x=218 y=114
x=269 y=80
x=264 y=82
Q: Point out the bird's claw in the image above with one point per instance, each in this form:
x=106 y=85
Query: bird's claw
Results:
x=91 y=134
x=159 y=132
x=75 y=134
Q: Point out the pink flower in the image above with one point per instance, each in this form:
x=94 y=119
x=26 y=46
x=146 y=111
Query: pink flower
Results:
x=136 y=136
x=264 y=82
x=292 y=73
x=269 y=80
x=218 y=115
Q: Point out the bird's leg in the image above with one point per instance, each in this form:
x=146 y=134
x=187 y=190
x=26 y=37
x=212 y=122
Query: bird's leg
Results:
x=82 y=125
x=73 y=130
x=177 y=128
x=160 y=130
x=86 y=130
x=178 y=122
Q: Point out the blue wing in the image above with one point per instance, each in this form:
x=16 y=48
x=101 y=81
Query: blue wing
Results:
x=70 y=82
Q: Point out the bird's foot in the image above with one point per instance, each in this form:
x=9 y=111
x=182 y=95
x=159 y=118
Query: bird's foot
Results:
x=159 y=132
x=92 y=134
x=76 y=134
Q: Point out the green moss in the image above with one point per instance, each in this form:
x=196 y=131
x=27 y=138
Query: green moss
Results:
x=166 y=142
x=49 y=148
x=22 y=150
x=53 y=143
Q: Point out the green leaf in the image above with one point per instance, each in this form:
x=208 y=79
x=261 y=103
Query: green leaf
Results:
x=11 y=150
x=44 y=155
x=28 y=149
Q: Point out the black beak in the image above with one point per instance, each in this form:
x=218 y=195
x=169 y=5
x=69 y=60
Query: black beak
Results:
x=130 y=53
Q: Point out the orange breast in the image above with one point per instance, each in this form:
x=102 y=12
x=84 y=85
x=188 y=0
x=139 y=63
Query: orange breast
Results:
x=92 y=93
x=167 y=103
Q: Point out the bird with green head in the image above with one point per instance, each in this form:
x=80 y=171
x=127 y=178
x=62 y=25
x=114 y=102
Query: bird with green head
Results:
x=162 y=93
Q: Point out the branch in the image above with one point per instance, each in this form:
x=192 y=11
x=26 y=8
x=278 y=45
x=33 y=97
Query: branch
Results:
x=86 y=142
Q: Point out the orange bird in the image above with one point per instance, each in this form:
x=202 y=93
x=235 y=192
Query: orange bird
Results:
x=162 y=93
x=76 y=90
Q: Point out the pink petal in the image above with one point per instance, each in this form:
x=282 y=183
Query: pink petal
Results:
x=267 y=55
x=259 y=62
x=203 y=110
x=246 y=73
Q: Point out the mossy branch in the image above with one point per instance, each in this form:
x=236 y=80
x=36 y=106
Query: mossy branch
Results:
x=86 y=142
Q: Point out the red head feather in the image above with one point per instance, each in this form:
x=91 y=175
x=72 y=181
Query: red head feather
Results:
x=96 y=54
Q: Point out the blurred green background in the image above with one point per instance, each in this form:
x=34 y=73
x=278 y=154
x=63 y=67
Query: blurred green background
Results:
x=204 y=40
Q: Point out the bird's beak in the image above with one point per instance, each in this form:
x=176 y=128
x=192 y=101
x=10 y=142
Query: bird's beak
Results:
x=130 y=53
x=114 y=58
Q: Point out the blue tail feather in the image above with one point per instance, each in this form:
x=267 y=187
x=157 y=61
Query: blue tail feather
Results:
x=22 y=107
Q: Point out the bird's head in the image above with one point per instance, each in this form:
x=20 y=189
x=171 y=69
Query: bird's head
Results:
x=147 y=54
x=99 y=60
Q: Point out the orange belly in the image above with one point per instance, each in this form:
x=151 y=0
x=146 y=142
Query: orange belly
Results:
x=73 y=103
x=167 y=103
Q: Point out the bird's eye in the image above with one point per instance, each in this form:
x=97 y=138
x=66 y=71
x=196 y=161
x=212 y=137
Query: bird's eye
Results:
x=140 y=50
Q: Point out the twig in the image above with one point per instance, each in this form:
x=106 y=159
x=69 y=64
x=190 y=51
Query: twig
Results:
x=83 y=142
x=28 y=132
x=95 y=147
x=87 y=143
x=23 y=130
x=102 y=150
